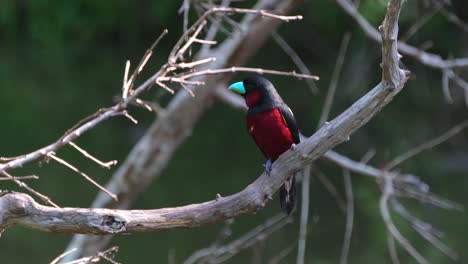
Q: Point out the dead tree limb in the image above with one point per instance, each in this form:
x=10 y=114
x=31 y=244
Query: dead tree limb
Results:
x=21 y=209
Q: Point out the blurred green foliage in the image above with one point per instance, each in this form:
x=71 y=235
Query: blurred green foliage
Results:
x=61 y=60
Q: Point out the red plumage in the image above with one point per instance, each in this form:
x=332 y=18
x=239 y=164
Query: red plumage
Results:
x=270 y=132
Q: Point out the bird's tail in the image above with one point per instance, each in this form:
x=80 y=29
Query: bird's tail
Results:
x=287 y=195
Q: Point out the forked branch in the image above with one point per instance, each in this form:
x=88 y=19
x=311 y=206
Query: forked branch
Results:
x=20 y=209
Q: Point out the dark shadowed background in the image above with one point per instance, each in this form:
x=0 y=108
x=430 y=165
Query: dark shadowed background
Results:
x=62 y=60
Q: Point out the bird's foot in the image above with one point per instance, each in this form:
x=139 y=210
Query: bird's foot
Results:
x=293 y=146
x=268 y=167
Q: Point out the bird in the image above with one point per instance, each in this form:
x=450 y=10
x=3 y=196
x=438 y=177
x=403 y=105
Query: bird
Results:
x=272 y=125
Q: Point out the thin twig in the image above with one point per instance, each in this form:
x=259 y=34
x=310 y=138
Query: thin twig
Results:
x=167 y=88
x=152 y=106
x=202 y=19
x=129 y=117
x=425 y=230
x=126 y=84
x=106 y=165
x=386 y=194
x=241 y=69
x=368 y=156
x=446 y=86
x=424 y=196
x=73 y=168
x=282 y=254
x=219 y=253
x=61 y=256
x=296 y=60
x=459 y=81
x=20 y=178
x=334 y=80
x=106 y=255
x=428 y=59
x=349 y=217
x=184 y=9
x=392 y=249
x=426 y=145
x=215 y=26
x=301 y=249
x=420 y=22
x=195 y=63
x=29 y=189
x=180 y=53
x=455 y=20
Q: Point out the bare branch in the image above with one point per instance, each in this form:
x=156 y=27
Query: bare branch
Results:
x=424 y=196
x=368 y=156
x=301 y=250
x=175 y=54
x=426 y=230
x=184 y=9
x=215 y=26
x=420 y=22
x=446 y=87
x=237 y=69
x=296 y=59
x=196 y=63
x=334 y=80
x=349 y=217
x=426 y=145
x=392 y=249
x=61 y=256
x=104 y=255
x=106 y=165
x=180 y=53
x=459 y=81
x=428 y=59
x=129 y=117
x=126 y=84
x=386 y=194
x=282 y=254
x=73 y=168
x=220 y=253
x=29 y=189
x=455 y=19
x=20 y=178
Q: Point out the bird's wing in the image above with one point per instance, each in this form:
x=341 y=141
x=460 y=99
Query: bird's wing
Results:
x=290 y=121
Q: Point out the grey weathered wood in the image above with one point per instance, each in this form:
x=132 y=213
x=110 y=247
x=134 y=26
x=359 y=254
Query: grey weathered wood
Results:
x=21 y=209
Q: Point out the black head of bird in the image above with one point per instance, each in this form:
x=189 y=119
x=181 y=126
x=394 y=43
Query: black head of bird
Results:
x=257 y=91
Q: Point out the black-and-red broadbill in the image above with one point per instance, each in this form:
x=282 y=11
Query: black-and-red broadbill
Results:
x=271 y=124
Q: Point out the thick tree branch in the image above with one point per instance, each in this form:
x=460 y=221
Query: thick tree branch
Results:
x=20 y=209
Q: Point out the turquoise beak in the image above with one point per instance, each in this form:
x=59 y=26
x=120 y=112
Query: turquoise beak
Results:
x=237 y=87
